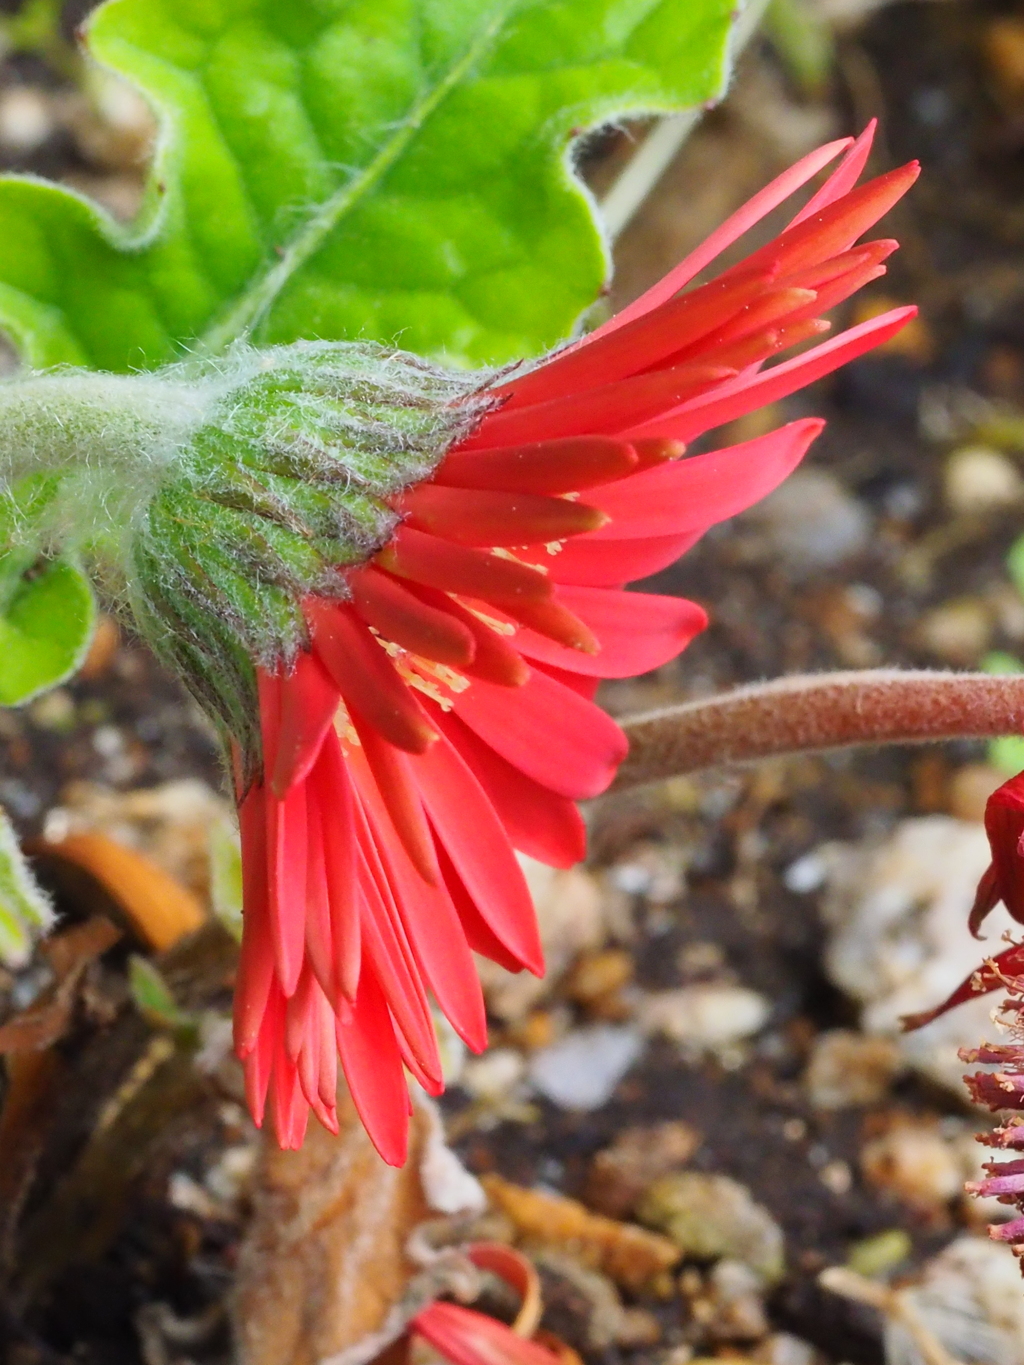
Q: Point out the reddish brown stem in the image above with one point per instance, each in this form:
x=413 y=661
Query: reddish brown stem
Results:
x=813 y=712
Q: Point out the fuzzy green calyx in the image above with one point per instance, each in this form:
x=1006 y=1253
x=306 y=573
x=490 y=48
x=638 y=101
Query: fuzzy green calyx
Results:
x=222 y=492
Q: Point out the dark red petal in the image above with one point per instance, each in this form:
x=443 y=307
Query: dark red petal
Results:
x=309 y=700
x=636 y=631
x=1004 y=825
x=469 y=516
x=364 y=675
x=986 y=898
x=459 y=568
x=372 y=1064
x=539 y=823
x=700 y=491
x=990 y=976
x=478 y=845
x=547 y=731
x=544 y=467
x=399 y=615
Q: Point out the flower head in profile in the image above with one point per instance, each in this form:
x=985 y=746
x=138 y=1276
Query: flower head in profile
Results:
x=450 y=582
x=1001 y=1087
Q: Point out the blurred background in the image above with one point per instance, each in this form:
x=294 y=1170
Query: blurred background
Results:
x=714 y=1053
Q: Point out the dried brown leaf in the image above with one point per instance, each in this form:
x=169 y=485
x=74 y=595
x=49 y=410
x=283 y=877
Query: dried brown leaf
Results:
x=158 y=909
x=325 y=1257
x=629 y=1254
x=48 y=1018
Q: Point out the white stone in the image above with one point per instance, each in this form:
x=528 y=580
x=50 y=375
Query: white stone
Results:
x=26 y=119
x=493 y=1075
x=970 y=1297
x=704 y=1018
x=979 y=479
x=812 y=521
x=899 y=941
x=582 y=1069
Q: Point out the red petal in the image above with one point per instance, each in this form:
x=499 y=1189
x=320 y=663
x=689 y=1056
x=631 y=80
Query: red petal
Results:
x=319 y=944
x=469 y=516
x=609 y=563
x=704 y=489
x=364 y=675
x=400 y=616
x=464 y=1337
x=436 y=937
x=309 y=701
x=745 y=393
x=539 y=823
x=256 y=960
x=495 y=660
x=395 y=780
x=544 y=467
x=844 y=177
x=1004 y=825
x=478 y=845
x=645 y=343
x=730 y=231
x=459 y=568
x=333 y=799
x=990 y=976
x=373 y=1068
x=548 y=732
x=286 y=876
x=608 y=410
x=637 y=632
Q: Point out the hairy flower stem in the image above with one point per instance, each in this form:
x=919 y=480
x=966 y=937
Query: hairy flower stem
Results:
x=809 y=713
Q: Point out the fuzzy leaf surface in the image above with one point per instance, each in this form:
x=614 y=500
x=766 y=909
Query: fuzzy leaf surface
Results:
x=378 y=169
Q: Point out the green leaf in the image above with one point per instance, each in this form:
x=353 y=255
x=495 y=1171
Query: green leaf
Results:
x=1015 y=564
x=47 y=618
x=25 y=909
x=383 y=169
x=152 y=995
x=226 y=877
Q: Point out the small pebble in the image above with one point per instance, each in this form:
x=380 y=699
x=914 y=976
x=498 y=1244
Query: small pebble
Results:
x=712 y=1216
x=621 y=1173
x=599 y=974
x=783 y=1349
x=54 y=710
x=582 y=1069
x=914 y=1162
x=979 y=479
x=957 y=632
x=493 y=1075
x=26 y=119
x=704 y=1018
x=812 y=521
x=738 y=1309
x=880 y=1254
x=969 y=790
x=848 y=1068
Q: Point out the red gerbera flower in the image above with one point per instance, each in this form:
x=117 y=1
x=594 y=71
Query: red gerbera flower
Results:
x=442 y=715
